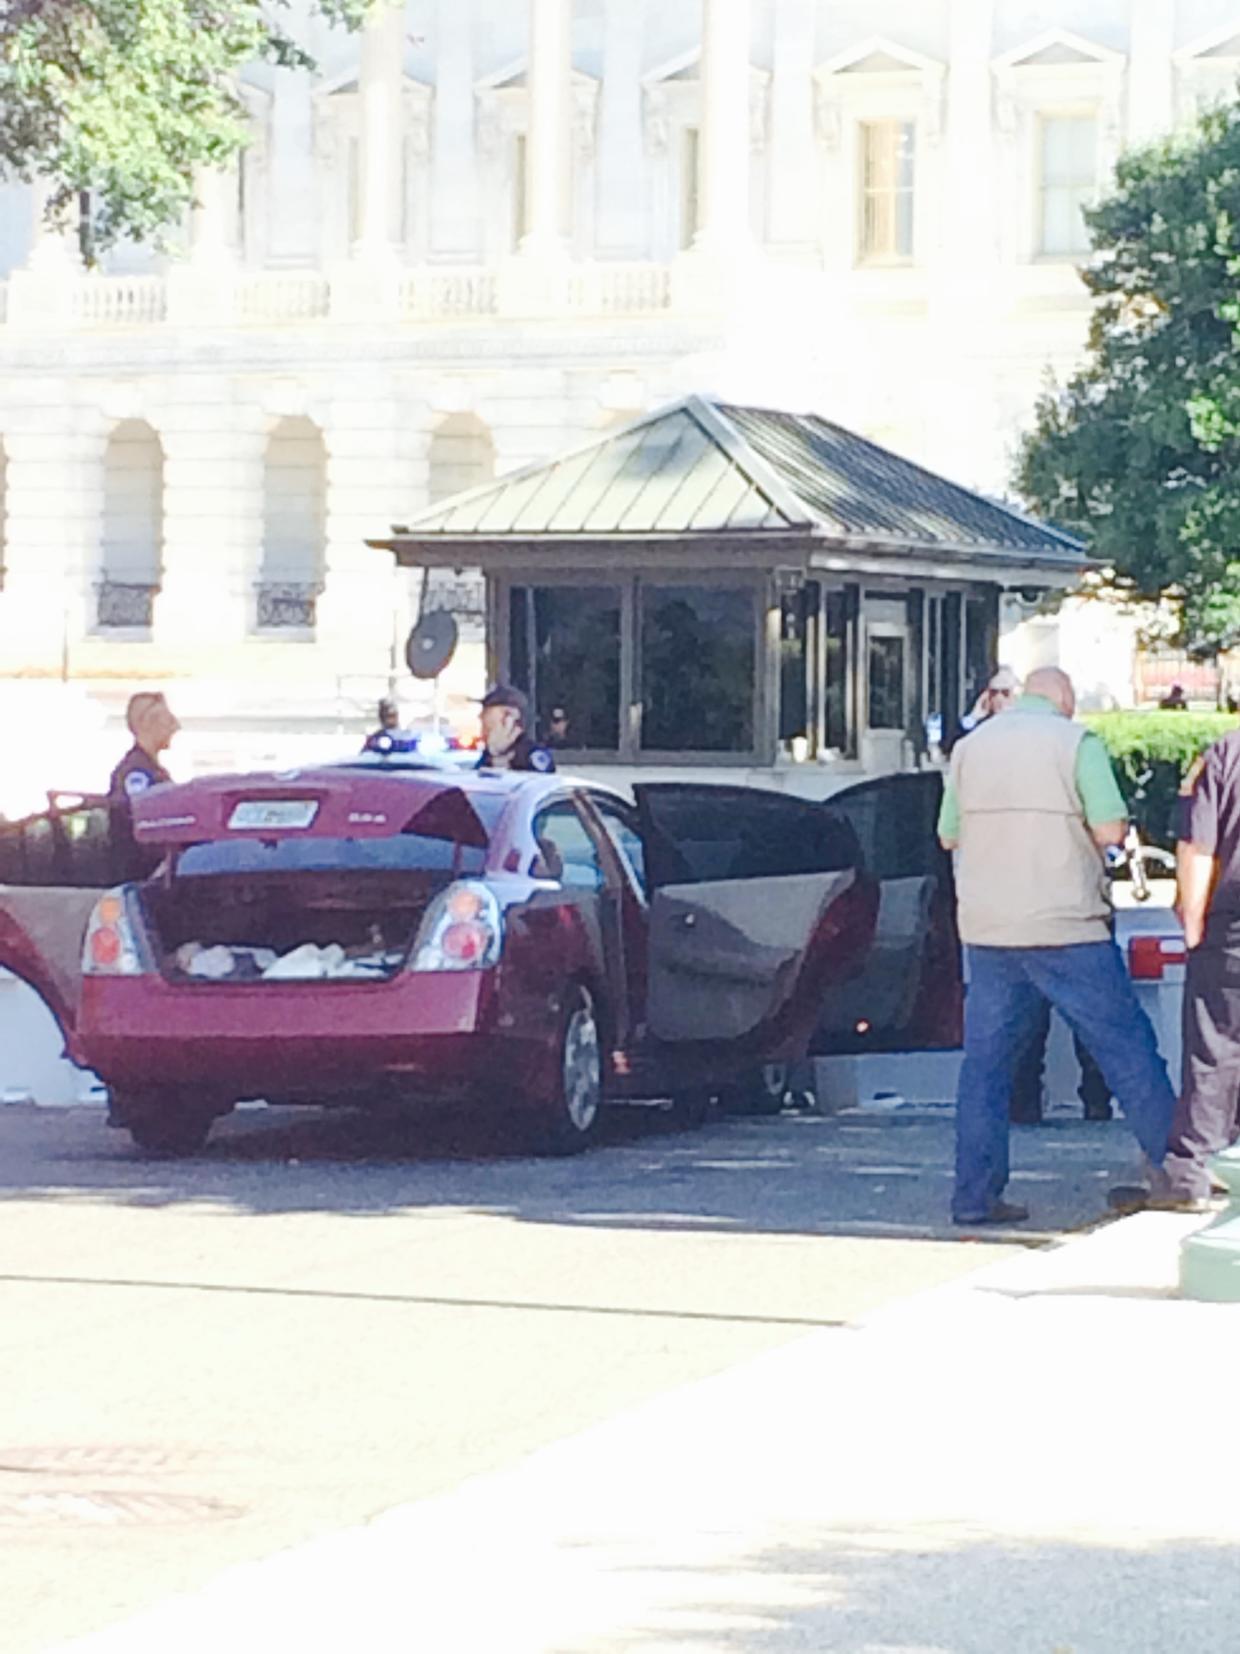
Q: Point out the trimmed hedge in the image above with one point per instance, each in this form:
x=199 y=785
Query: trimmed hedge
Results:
x=1165 y=743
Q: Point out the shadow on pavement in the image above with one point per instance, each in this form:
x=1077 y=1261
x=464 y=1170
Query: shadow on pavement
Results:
x=938 y=1590
x=800 y=1173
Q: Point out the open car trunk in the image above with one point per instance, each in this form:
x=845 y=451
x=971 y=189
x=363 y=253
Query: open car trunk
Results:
x=311 y=926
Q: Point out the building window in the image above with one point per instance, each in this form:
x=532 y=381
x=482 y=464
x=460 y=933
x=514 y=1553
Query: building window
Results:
x=133 y=528
x=887 y=683
x=690 y=204
x=294 y=528
x=1067 y=183
x=564 y=651
x=697 y=669
x=887 y=156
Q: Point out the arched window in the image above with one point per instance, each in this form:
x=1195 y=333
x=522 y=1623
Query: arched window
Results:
x=294 y=527
x=462 y=457
x=131 y=563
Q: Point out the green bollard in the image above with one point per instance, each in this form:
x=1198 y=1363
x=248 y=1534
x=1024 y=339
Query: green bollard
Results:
x=1210 y=1259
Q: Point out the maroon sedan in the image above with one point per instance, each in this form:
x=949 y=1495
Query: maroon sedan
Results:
x=377 y=931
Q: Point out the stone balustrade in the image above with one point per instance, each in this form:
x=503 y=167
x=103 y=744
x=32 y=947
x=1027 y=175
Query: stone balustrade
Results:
x=430 y=293
x=118 y=301
x=282 y=296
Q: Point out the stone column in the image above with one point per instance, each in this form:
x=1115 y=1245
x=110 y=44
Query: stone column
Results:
x=1151 y=98
x=366 y=288
x=724 y=182
x=293 y=231
x=620 y=176
x=381 y=78
x=41 y=291
x=550 y=129
x=213 y=525
x=967 y=279
x=361 y=610
x=793 y=192
x=200 y=289
x=54 y=498
x=456 y=230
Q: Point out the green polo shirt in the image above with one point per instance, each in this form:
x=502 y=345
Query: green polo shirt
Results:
x=1096 y=786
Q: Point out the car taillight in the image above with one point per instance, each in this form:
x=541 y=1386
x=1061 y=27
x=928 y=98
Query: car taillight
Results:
x=1149 y=956
x=461 y=931
x=111 y=948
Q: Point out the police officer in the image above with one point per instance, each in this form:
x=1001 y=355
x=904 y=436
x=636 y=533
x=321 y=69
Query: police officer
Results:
x=1208 y=871
x=505 y=716
x=152 y=725
x=389 y=737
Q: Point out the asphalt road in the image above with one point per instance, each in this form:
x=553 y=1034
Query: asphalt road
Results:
x=321 y=1318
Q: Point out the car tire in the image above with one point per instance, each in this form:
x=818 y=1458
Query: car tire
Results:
x=762 y=1091
x=567 y=1120
x=171 y=1132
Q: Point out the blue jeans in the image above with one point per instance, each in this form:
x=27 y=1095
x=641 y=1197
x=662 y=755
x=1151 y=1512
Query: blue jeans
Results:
x=1088 y=985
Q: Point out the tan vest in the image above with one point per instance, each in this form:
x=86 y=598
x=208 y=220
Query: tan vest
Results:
x=1028 y=874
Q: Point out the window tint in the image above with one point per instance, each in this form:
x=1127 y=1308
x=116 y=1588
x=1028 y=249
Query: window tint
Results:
x=895 y=822
x=697 y=663
x=564 y=644
x=702 y=834
x=622 y=825
x=402 y=853
x=567 y=848
x=65 y=847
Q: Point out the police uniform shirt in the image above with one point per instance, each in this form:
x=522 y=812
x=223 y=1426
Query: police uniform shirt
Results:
x=526 y=755
x=1210 y=820
x=136 y=773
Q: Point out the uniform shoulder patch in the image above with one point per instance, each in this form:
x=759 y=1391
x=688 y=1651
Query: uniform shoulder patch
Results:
x=137 y=781
x=541 y=760
x=1191 y=776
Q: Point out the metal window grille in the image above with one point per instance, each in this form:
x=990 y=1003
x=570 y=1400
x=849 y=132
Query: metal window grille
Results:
x=287 y=605
x=122 y=603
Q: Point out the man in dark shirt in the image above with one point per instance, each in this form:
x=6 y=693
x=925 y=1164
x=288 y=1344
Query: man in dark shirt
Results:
x=1208 y=870
x=390 y=737
x=152 y=725
x=505 y=744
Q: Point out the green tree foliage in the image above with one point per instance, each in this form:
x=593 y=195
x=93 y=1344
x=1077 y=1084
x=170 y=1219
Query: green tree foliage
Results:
x=1140 y=451
x=1162 y=747
x=127 y=97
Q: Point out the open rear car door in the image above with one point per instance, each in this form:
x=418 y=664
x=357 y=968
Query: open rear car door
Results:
x=909 y=994
x=53 y=867
x=756 y=909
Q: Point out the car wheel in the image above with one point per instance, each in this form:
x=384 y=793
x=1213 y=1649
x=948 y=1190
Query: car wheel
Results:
x=763 y=1091
x=169 y=1132
x=569 y=1119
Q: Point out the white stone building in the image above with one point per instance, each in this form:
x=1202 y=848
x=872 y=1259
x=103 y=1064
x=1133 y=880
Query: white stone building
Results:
x=487 y=229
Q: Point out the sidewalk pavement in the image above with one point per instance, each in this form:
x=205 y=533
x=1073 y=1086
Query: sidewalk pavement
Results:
x=1008 y=1463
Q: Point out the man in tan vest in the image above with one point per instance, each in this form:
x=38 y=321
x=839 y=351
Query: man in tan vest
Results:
x=1031 y=805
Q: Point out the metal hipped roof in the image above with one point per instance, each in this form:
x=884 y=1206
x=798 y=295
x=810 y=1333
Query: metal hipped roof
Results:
x=703 y=467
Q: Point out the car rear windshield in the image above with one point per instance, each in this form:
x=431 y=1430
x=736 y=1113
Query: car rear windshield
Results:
x=403 y=853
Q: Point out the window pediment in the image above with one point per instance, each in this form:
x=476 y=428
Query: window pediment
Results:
x=1059 y=50
x=503 y=99
x=673 y=93
x=868 y=70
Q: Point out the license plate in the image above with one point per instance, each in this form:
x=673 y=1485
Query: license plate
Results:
x=274 y=812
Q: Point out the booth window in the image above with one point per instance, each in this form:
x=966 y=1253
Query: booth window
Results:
x=564 y=650
x=887 y=683
x=697 y=668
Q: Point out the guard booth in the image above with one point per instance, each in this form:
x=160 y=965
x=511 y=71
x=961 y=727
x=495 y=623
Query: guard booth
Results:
x=741 y=589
